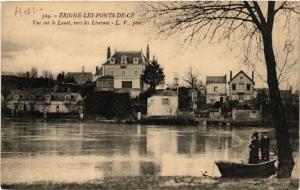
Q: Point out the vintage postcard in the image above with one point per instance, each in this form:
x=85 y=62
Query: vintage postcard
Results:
x=150 y=95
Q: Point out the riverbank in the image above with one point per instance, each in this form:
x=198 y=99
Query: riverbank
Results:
x=155 y=121
x=160 y=182
x=148 y=121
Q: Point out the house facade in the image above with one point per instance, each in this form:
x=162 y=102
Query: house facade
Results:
x=216 y=89
x=35 y=101
x=241 y=87
x=162 y=104
x=125 y=69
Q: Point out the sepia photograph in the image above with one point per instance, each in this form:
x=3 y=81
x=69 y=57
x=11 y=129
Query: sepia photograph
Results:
x=150 y=95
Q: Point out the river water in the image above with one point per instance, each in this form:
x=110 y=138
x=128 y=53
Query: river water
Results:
x=77 y=152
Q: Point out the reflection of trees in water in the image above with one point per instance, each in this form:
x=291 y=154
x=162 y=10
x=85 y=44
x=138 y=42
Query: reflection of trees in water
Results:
x=184 y=143
x=190 y=141
x=149 y=168
x=125 y=168
x=200 y=148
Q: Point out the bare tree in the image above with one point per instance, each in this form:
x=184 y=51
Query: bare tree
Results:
x=285 y=66
x=251 y=22
x=191 y=77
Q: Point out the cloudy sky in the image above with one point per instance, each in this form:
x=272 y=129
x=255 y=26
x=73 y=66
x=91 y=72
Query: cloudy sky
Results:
x=68 y=48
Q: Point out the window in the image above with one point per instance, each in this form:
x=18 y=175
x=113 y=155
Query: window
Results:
x=16 y=97
x=215 y=88
x=47 y=98
x=241 y=97
x=135 y=60
x=248 y=86
x=126 y=84
x=105 y=83
x=112 y=61
x=123 y=59
x=233 y=86
x=32 y=97
x=165 y=101
x=241 y=77
x=67 y=98
x=57 y=108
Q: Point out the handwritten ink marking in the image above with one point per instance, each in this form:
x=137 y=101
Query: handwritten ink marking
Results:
x=19 y=11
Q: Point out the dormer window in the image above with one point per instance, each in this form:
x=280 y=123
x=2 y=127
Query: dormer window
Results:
x=112 y=61
x=135 y=60
x=16 y=97
x=48 y=98
x=32 y=97
x=67 y=98
x=123 y=59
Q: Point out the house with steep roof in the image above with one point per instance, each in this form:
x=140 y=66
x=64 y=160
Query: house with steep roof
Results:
x=216 y=89
x=125 y=69
x=164 y=103
x=241 y=87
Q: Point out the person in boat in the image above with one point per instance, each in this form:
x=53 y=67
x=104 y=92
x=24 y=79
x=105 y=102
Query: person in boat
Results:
x=254 y=149
x=264 y=147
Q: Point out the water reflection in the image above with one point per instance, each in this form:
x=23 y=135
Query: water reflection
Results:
x=85 y=151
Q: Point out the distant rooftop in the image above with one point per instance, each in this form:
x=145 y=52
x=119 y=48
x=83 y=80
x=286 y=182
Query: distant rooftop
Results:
x=165 y=93
x=216 y=79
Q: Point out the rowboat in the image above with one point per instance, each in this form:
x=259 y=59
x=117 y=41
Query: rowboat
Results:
x=233 y=169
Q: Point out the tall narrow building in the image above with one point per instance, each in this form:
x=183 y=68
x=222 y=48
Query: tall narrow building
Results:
x=122 y=71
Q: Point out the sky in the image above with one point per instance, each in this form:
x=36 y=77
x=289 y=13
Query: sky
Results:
x=58 y=48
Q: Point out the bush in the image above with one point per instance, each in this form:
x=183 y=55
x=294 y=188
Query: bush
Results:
x=108 y=104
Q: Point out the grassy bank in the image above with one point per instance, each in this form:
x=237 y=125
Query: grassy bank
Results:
x=156 y=182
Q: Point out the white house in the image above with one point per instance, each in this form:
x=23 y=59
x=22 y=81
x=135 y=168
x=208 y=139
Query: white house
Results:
x=241 y=86
x=125 y=69
x=216 y=89
x=162 y=103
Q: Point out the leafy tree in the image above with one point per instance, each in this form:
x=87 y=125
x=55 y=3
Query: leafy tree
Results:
x=253 y=23
x=153 y=74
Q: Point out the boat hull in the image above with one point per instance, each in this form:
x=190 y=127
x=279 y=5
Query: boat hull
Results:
x=232 y=169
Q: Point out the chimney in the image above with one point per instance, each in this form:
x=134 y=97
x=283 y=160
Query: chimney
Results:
x=253 y=75
x=83 y=69
x=148 y=52
x=97 y=69
x=230 y=75
x=108 y=52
